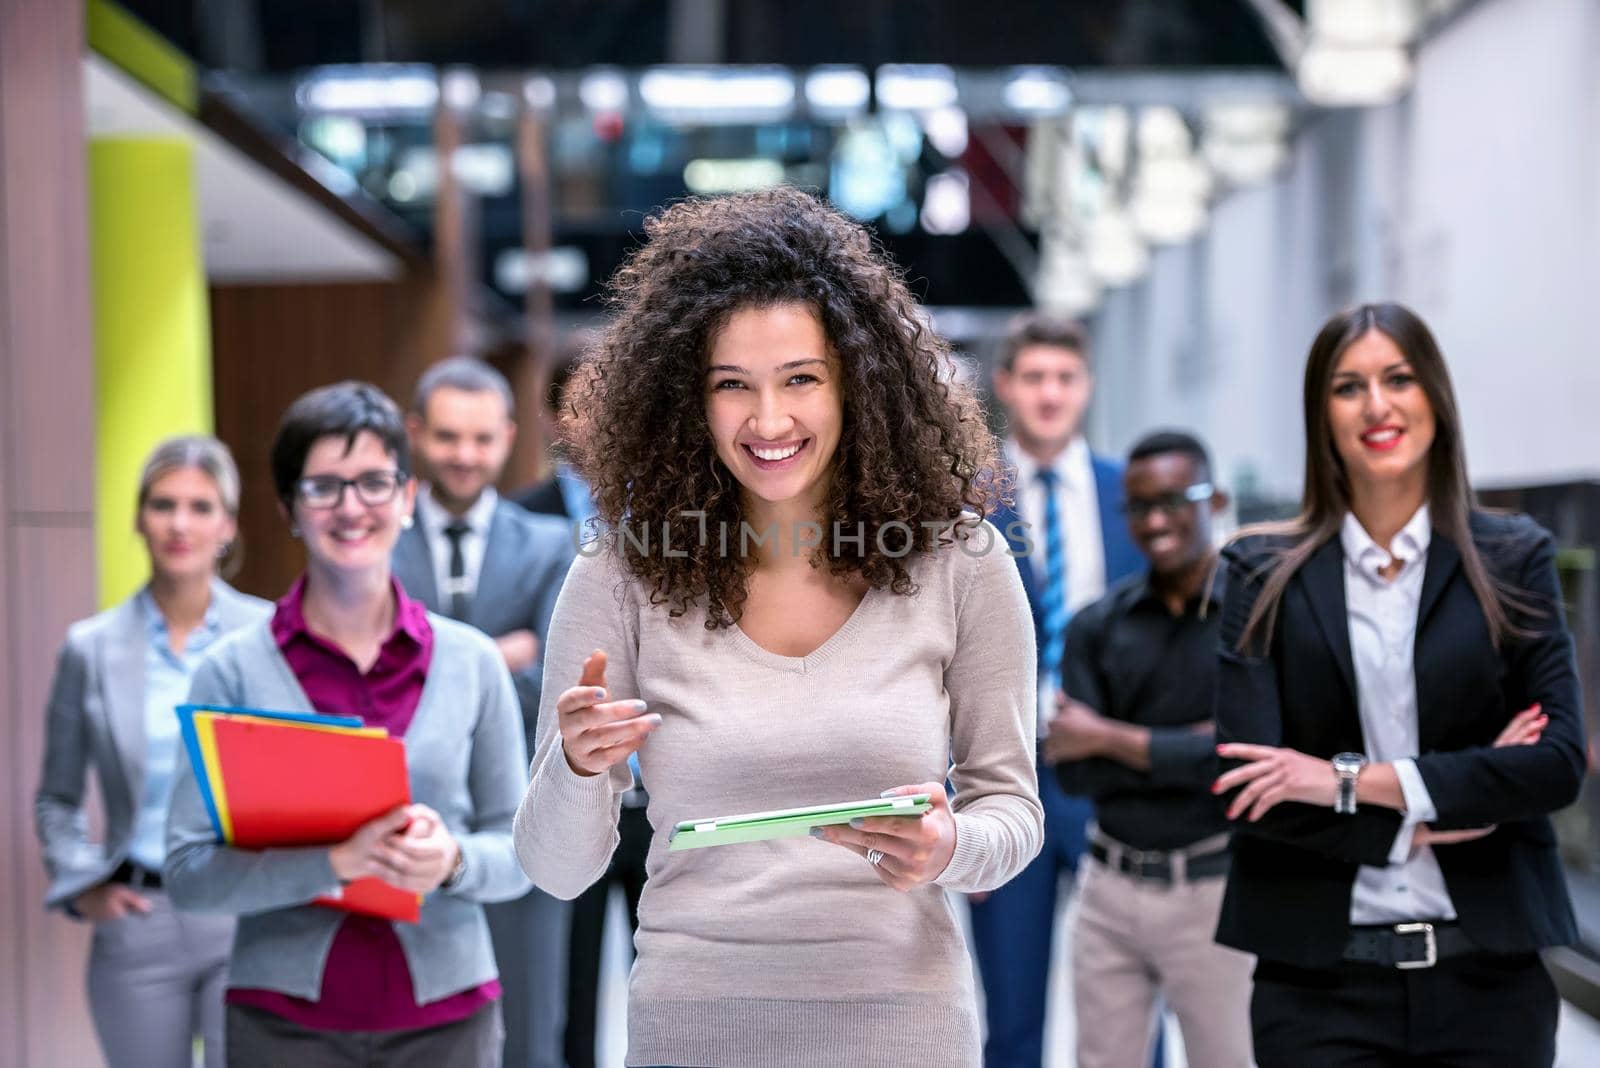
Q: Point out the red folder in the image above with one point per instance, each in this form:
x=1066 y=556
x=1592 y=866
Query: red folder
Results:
x=291 y=786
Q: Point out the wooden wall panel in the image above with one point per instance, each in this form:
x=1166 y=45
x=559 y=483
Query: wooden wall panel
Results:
x=272 y=343
x=46 y=497
x=56 y=586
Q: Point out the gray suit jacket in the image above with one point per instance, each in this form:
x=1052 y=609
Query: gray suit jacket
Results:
x=95 y=718
x=525 y=561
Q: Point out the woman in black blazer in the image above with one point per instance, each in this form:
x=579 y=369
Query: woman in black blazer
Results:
x=1395 y=870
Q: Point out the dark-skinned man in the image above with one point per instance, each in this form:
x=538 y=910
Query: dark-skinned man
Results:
x=1134 y=731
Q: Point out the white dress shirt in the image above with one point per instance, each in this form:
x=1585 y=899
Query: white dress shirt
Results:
x=1078 y=501
x=1383 y=631
x=473 y=543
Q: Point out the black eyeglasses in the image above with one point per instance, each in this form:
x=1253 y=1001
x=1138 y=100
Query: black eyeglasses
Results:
x=1167 y=503
x=327 y=491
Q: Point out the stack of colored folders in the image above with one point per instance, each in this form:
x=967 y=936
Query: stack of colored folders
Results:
x=284 y=779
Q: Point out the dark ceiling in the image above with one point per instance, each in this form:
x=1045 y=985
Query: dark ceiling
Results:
x=283 y=35
x=276 y=37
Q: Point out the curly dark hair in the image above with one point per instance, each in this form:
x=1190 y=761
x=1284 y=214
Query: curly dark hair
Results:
x=914 y=449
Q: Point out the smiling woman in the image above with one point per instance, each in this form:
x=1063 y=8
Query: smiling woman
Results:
x=774 y=407
x=769 y=373
x=346 y=639
x=1399 y=707
x=155 y=976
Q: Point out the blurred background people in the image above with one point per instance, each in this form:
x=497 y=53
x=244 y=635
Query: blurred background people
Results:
x=786 y=671
x=313 y=984
x=1400 y=713
x=1134 y=732
x=566 y=493
x=1074 y=542
x=155 y=974
x=483 y=560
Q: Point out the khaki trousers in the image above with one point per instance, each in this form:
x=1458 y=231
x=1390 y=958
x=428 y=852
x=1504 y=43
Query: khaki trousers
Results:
x=1134 y=940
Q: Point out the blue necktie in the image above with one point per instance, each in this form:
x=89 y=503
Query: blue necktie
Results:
x=1053 y=601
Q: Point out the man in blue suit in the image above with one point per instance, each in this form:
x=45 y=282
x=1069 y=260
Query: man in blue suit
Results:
x=1070 y=543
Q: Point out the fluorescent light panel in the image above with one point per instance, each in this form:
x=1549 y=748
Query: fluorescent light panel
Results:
x=916 y=87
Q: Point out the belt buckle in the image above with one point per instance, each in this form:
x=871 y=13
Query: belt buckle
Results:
x=1148 y=865
x=1432 y=943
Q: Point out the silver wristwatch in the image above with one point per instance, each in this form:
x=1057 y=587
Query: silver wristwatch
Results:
x=457 y=870
x=1347 y=769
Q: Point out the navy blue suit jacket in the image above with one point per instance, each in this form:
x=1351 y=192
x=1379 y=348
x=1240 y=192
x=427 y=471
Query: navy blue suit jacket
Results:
x=1121 y=556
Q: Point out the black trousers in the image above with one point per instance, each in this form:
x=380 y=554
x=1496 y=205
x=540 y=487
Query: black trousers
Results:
x=588 y=931
x=1493 y=1010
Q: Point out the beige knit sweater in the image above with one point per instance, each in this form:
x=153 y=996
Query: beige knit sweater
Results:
x=792 y=952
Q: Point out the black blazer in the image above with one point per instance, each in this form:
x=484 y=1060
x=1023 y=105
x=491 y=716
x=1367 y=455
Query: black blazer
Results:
x=543 y=498
x=1288 y=896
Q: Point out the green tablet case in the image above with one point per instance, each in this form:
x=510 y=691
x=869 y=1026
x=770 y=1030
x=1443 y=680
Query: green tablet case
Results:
x=789 y=822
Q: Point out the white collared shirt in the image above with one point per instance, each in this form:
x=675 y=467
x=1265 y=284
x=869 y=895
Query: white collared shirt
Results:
x=1383 y=632
x=474 y=543
x=1078 y=501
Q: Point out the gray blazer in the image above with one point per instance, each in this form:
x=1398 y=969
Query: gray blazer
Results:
x=465 y=759
x=525 y=561
x=95 y=718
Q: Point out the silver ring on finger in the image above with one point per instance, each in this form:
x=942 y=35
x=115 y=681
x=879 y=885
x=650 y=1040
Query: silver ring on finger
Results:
x=874 y=857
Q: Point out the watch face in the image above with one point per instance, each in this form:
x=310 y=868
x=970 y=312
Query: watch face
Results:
x=1349 y=763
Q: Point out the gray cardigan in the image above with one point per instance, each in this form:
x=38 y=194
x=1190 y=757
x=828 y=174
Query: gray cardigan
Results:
x=465 y=755
x=95 y=719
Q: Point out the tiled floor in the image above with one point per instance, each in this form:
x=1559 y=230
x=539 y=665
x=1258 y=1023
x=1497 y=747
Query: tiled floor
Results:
x=1577 y=1039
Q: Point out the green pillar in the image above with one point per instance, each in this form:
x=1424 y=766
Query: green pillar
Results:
x=151 y=331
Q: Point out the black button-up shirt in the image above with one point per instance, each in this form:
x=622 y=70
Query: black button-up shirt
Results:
x=1129 y=658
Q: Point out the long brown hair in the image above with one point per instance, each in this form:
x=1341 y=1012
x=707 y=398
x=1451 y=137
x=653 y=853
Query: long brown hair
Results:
x=1326 y=497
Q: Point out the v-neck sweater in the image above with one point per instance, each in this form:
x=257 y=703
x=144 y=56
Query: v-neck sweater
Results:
x=793 y=952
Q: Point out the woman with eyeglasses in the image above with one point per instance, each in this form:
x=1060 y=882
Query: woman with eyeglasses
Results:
x=1399 y=710
x=311 y=982
x=155 y=975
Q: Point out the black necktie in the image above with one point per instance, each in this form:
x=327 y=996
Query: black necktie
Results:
x=456 y=587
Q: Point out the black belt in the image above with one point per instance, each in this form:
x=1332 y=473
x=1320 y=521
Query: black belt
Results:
x=130 y=874
x=1407 y=945
x=1157 y=866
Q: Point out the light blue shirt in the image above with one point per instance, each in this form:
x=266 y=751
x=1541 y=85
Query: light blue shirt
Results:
x=166 y=685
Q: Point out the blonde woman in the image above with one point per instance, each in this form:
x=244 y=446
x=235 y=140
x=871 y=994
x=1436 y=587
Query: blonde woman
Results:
x=155 y=975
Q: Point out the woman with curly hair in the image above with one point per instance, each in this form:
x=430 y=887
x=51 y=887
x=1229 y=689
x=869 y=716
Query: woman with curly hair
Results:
x=796 y=603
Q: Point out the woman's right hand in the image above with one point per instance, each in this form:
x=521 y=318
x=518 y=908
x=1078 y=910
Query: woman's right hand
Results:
x=597 y=734
x=1525 y=728
x=110 y=901
x=371 y=851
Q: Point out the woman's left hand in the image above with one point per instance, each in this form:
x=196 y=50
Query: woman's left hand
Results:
x=911 y=851
x=1271 y=774
x=424 y=854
